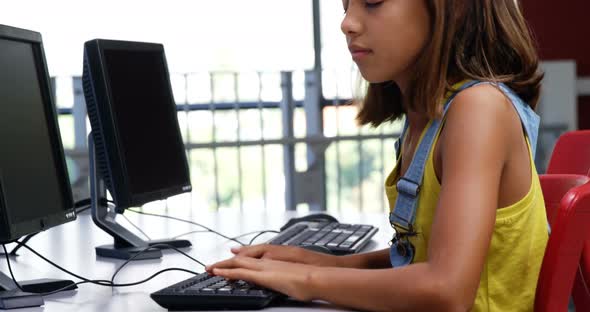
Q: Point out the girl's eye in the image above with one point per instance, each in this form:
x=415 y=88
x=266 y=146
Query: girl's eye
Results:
x=372 y=4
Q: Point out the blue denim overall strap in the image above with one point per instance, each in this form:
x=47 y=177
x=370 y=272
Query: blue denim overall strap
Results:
x=529 y=119
x=402 y=252
x=408 y=186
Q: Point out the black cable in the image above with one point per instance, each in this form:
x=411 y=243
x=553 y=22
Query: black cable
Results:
x=206 y=231
x=97 y=282
x=82 y=203
x=155 y=246
x=17 y=247
x=186 y=221
x=55 y=265
x=70 y=286
x=235 y=237
x=10 y=269
x=79 y=206
x=80 y=210
x=154 y=275
x=258 y=235
x=189 y=233
x=136 y=227
x=108 y=283
x=253 y=232
x=87 y=201
x=105 y=282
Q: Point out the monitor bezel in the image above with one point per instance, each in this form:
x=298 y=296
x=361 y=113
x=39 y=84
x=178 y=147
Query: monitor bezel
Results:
x=68 y=213
x=94 y=53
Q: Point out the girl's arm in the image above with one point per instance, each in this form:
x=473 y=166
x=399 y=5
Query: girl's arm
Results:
x=473 y=151
x=369 y=260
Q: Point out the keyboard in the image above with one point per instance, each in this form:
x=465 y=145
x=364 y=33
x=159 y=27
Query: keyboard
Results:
x=338 y=238
x=207 y=292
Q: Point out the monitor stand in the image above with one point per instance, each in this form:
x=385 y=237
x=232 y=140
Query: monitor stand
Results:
x=126 y=244
x=11 y=297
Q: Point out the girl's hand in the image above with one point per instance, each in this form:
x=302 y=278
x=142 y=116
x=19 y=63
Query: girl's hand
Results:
x=291 y=279
x=287 y=254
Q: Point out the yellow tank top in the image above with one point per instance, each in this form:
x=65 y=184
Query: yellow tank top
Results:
x=509 y=277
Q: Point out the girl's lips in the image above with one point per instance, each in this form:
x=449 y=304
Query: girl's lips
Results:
x=360 y=54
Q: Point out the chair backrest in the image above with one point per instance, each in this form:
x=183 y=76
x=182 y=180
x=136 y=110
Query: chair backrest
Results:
x=569 y=230
x=571 y=154
x=555 y=186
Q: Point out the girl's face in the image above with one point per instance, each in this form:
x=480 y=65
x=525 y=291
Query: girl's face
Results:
x=385 y=37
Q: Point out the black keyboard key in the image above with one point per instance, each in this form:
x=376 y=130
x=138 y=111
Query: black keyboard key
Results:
x=302 y=237
x=350 y=240
x=339 y=239
x=224 y=291
x=241 y=283
x=344 y=226
x=257 y=292
x=317 y=236
x=215 y=279
x=326 y=239
x=207 y=291
x=193 y=292
x=354 y=227
x=331 y=226
x=288 y=234
x=217 y=286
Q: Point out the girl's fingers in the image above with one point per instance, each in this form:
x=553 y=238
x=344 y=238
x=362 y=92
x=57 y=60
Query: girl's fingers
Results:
x=251 y=251
x=238 y=274
x=236 y=262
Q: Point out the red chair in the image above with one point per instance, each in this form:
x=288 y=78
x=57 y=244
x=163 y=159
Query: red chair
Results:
x=571 y=154
x=555 y=186
x=569 y=209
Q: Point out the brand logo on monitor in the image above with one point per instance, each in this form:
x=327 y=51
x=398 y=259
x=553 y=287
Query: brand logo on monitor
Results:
x=70 y=215
x=186 y=188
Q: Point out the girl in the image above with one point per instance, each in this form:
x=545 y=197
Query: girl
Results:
x=465 y=197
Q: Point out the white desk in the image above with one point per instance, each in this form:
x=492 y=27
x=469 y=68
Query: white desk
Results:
x=72 y=246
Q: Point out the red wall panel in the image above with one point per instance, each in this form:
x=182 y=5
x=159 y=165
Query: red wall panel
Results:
x=562 y=30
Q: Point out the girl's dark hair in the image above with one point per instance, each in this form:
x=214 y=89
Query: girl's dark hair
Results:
x=487 y=40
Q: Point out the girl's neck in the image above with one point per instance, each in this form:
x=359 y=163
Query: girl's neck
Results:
x=417 y=121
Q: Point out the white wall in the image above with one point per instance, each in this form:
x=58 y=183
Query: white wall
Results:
x=559 y=97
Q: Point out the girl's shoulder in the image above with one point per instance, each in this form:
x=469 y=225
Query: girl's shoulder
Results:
x=480 y=113
x=482 y=102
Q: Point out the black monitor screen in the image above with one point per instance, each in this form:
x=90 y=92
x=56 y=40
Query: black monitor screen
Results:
x=147 y=126
x=30 y=178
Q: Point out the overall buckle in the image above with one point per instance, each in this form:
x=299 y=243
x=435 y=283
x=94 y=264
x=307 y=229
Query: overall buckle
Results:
x=408 y=187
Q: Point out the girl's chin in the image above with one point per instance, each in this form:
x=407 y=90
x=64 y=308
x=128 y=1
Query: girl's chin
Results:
x=374 y=77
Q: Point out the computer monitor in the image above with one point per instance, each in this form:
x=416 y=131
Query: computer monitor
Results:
x=35 y=191
x=136 y=147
